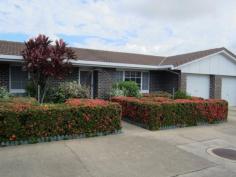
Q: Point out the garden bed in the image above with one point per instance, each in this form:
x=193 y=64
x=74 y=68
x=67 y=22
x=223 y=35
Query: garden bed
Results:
x=24 y=121
x=156 y=113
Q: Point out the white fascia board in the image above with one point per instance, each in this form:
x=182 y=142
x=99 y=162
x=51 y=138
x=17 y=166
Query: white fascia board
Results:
x=119 y=65
x=194 y=61
x=16 y=58
x=11 y=58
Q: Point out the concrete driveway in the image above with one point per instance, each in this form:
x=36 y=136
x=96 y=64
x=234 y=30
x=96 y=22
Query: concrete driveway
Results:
x=134 y=153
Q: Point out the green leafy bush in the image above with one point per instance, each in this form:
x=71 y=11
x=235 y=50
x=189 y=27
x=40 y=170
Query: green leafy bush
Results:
x=157 y=114
x=65 y=91
x=26 y=121
x=116 y=91
x=127 y=88
x=31 y=90
x=4 y=94
x=181 y=95
x=60 y=93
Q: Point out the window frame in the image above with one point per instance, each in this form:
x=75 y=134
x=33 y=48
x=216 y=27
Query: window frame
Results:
x=10 y=80
x=141 y=84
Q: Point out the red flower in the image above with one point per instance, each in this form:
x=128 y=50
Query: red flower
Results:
x=12 y=138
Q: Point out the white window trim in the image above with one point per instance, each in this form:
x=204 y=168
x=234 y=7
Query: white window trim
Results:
x=145 y=91
x=141 y=85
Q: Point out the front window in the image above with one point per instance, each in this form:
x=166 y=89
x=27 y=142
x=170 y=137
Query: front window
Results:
x=18 y=79
x=140 y=77
x=133 y=76
x=117 y=76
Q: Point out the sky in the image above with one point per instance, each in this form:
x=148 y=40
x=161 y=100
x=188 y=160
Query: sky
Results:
x=155 y=27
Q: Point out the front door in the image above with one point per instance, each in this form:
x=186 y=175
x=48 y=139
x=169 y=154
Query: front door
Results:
x=86 y=81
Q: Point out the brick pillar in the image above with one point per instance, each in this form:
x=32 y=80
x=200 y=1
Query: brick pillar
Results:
x=215 y=86
x=183 y=82
x=4 y=75
x=105 y=82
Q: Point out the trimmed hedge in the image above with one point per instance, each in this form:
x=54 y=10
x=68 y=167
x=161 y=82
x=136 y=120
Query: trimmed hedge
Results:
x=160 y=113
x=25 y=121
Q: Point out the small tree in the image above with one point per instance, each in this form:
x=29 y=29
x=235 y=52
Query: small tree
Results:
x=45 y=61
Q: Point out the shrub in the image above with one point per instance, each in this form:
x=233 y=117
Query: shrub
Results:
x=158 y=94
x=67 y=90
x=129 y=88
x=4 y=94
x=155 y=115
x=181 y=95
x=86 y=102
x=31 y=90
x=60 y=93
x=24 y=121
x=115 y=91
x=155 y=99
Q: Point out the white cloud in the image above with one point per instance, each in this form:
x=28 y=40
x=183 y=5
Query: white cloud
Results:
x=144 y=26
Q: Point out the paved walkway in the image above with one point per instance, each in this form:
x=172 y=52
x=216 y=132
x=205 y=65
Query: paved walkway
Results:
x=134 y=153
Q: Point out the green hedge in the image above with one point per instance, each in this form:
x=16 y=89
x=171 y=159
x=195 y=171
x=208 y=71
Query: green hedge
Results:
x=157 y=113
x=24 y=121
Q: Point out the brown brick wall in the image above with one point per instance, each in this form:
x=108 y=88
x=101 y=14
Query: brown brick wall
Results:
x=73 y=76
x=4 y=75
x=183 y=82
x=164 y=81
x=215 y=86
x=105 y=82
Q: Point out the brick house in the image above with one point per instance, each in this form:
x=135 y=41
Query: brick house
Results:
x=208 y=74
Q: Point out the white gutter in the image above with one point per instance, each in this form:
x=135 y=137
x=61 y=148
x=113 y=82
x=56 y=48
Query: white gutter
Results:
x=11 y=58
x=17 y=58
x=119 y=65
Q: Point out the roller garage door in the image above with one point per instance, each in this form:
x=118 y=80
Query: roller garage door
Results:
x=228 y=90
x=198 y=85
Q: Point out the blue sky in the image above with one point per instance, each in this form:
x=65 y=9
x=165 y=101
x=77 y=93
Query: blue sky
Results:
x=154 y=27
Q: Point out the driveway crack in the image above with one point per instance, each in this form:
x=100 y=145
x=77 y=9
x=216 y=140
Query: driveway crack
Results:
x=79 y=159
x=194 y=171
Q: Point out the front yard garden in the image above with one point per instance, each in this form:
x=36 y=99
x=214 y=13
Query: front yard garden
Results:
x=63 y=111
x=156 y=113
x=24 y=120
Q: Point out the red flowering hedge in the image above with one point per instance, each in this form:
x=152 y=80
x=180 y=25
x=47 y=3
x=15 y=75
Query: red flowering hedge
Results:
x=30 y=121
x=158 y=112
x=86 y=102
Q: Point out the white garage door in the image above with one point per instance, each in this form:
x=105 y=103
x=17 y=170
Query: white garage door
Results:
x=198 y=85
x=228 y=91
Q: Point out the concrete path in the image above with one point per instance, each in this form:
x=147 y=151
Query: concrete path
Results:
x=134 y=153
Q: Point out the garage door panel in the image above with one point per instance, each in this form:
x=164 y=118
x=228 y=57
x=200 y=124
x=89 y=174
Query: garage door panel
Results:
x=198 y=85
x=228 y=91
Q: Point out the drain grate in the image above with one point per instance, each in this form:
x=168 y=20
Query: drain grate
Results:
x=225 y=153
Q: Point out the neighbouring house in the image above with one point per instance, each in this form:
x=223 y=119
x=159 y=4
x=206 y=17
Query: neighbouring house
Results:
x=208 y=74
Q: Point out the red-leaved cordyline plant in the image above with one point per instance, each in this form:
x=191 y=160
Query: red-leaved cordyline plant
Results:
x=45 y=61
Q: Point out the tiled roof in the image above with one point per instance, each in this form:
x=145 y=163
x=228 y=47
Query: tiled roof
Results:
x=178 y=60
x=15 y=48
